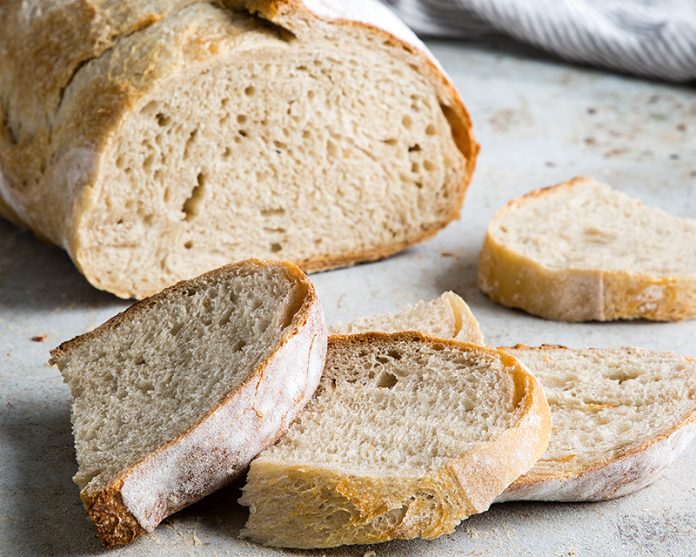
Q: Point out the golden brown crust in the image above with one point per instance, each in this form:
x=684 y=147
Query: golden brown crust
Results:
x=573 y=295
x=425 y=507
x=116 y=525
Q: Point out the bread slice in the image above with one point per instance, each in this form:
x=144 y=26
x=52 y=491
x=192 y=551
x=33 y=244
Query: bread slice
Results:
x=406 y=436
x=581 y=251
x=175 y=396
x=620 y=418
x=169 y=137
x=445 y=317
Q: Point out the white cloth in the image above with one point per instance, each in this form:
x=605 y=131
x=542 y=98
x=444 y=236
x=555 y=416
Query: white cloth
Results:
x=652 y=38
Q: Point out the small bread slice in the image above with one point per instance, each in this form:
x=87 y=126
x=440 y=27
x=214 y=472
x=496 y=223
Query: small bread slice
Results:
x=445 y=317
x=621 y=416
x=581 y=251
x=176 y=395
x=406 y=436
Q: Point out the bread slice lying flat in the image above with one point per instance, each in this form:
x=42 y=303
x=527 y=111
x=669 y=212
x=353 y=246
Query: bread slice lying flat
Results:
x=406 y=436
x=581 y=251
x=620 y=418
x=445 y=317
x=175 y=396
x=169 y=137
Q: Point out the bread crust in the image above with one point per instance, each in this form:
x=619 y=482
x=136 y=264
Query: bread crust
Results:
x=211 y=453
x=516 y=281
x=460 y=488
x=626 y=472
x=51 y=173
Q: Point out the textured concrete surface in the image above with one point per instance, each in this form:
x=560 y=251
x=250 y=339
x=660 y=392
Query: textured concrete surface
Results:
x=539 y=122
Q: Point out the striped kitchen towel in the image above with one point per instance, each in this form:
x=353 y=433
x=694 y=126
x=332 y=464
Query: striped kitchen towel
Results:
x=652 y=38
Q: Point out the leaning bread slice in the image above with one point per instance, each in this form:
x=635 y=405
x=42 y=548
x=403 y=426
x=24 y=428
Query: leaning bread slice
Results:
x=175 y=396
x=620 y=418
x=581 y=251
x=446 y=317
x=169 y=137
x=406 y=436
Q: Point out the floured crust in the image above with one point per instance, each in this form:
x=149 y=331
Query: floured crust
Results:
x=219 y=445
x=460 y=488
x=630 y=470
x=516 y=281
x=63 y=161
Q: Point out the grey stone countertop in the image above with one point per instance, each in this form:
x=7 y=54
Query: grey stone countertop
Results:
x=539 y=122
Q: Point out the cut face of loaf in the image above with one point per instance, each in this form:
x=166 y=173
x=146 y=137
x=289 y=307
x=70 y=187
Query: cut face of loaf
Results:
x=581 y=251
x=175 y=396
x=445 y=317
x=188 y=135
x=620 y=418
x=405 y=437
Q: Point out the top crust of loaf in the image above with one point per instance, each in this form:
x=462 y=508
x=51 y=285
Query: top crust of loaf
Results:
x=303 y=344
x=383 y=506
x=48 y=139
x=575 y=293
x=622 y=473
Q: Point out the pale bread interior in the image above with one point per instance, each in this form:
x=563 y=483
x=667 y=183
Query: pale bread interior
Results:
x=144 y=380
x=446 y=317
x=315 y=148
x=588 y=225
x=606 y=403
x=389 y=407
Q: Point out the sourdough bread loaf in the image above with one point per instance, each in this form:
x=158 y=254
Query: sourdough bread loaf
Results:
x=175 y=396
x=581 y=251
x=406 y=436
x=157 y=140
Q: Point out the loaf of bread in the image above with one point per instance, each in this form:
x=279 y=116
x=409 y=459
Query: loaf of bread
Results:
x=582 y=251
x=175 y=396
x=158 y=140
x=406 y=436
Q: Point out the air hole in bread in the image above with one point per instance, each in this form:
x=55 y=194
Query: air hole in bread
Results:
x=162 y=119
x=189 y=143
x=428 y=165
x=430 y=130
x=623 y=376
x=188 y=244
x=241 y=118
x=250 y=90
x=192 y=204
x=387 y=380
x=276 y=247
x=407 y=122
x=415 y=148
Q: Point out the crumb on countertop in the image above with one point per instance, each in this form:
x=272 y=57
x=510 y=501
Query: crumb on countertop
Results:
x=39 y=338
